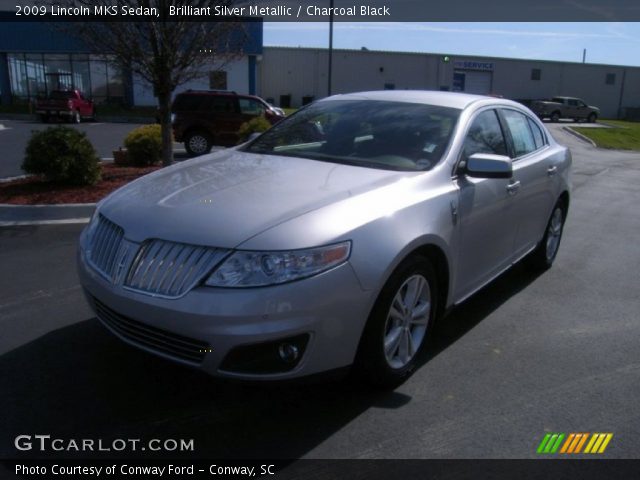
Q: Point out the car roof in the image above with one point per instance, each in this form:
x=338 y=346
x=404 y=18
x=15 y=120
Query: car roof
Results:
x=428 y=97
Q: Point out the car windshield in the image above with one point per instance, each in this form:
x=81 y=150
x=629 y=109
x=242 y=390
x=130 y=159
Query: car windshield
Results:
x=368 y=133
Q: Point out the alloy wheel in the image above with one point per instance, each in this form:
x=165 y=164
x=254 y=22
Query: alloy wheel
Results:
x=554 y=233
x=407 y=321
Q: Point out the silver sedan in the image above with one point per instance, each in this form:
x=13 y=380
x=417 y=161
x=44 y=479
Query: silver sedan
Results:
x=333 y=240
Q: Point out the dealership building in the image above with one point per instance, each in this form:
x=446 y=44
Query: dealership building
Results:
x=295 y=76
x=36 y=58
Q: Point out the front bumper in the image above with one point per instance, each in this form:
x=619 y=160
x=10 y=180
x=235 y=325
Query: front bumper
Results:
x=330 y=310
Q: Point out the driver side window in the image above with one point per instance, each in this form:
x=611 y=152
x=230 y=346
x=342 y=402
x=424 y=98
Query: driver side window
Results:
x=484 y=136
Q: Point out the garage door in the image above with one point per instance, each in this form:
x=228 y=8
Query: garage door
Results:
x=477 y=82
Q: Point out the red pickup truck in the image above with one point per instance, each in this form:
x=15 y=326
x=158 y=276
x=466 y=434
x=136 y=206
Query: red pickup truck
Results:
x=69 y=104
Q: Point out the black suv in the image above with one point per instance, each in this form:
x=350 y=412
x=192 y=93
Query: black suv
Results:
x=203 y=118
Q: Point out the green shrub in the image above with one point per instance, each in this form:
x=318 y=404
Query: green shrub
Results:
x=144 y=145
x=63 y=155
x=257 y=124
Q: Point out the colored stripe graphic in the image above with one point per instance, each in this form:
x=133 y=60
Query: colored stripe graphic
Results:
x=598 y=443
x=574 y=442
x=550 y=443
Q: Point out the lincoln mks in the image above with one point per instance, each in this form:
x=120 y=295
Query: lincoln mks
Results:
x=332 y=240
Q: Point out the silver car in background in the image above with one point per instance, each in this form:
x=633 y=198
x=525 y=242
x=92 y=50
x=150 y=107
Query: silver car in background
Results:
x=334 y=239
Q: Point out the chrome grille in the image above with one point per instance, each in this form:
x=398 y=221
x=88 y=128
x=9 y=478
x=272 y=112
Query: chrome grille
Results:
x=162 y=341
x=170 y=269
x=104 y=247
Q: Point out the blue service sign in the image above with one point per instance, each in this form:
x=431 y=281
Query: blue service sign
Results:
x=473 y=65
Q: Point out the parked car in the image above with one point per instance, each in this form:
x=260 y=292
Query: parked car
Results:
x=565 y=107
x=203 y=118
x=336 y=238
x=68 y=104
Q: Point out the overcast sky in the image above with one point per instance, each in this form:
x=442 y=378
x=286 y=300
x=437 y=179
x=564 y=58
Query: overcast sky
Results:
x=610 y=43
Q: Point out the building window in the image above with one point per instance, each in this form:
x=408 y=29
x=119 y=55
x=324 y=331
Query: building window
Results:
x=610 y=79
x=218 y=80
x=536 y=74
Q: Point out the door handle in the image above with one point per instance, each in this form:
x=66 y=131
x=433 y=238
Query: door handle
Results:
x=513 y=188
x=551 y=171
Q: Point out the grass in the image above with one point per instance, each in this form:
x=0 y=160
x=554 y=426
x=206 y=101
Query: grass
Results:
x=624 y=135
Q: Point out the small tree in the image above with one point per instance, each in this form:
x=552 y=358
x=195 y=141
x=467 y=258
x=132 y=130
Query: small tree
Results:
x=63 y=155
x=165 y=53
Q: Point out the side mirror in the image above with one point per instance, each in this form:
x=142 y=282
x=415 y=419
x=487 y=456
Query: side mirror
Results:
x=487 y=165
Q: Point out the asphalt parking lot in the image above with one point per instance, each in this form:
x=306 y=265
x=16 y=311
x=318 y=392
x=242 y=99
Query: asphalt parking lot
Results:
x=525 y=356
x=105 y=137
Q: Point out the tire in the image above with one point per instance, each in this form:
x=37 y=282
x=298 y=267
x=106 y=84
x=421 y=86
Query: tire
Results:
x=592 y=117
x=391 y=321
x=197 y=143
x=555 y=117
x=545 y=253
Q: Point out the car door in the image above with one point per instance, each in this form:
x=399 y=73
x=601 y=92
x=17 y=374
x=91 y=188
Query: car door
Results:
x=571 y=110
x=487 y=221
x=582 y=109
x=533 y=173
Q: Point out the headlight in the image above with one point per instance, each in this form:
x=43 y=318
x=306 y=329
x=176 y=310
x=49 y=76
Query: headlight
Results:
x=256 y=269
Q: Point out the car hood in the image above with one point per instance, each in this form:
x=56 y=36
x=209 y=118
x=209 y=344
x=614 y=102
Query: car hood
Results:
x=225 y=198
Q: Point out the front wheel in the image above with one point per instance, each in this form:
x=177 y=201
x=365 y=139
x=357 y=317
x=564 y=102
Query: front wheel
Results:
x=197 y=143
x=397 y=328
x=592 y=118
x=545 y=253
x=555 y=117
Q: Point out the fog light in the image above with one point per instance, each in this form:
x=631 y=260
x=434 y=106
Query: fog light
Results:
x=288 y=353
x=276 y=356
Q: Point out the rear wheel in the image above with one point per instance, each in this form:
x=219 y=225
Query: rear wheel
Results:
x=197 y=143
x=545 y=253
x=397 y=328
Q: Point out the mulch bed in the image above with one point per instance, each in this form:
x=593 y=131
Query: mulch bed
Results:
x=35 y=190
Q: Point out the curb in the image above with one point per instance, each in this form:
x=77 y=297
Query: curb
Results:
x=17 y=215
x=580 y=136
